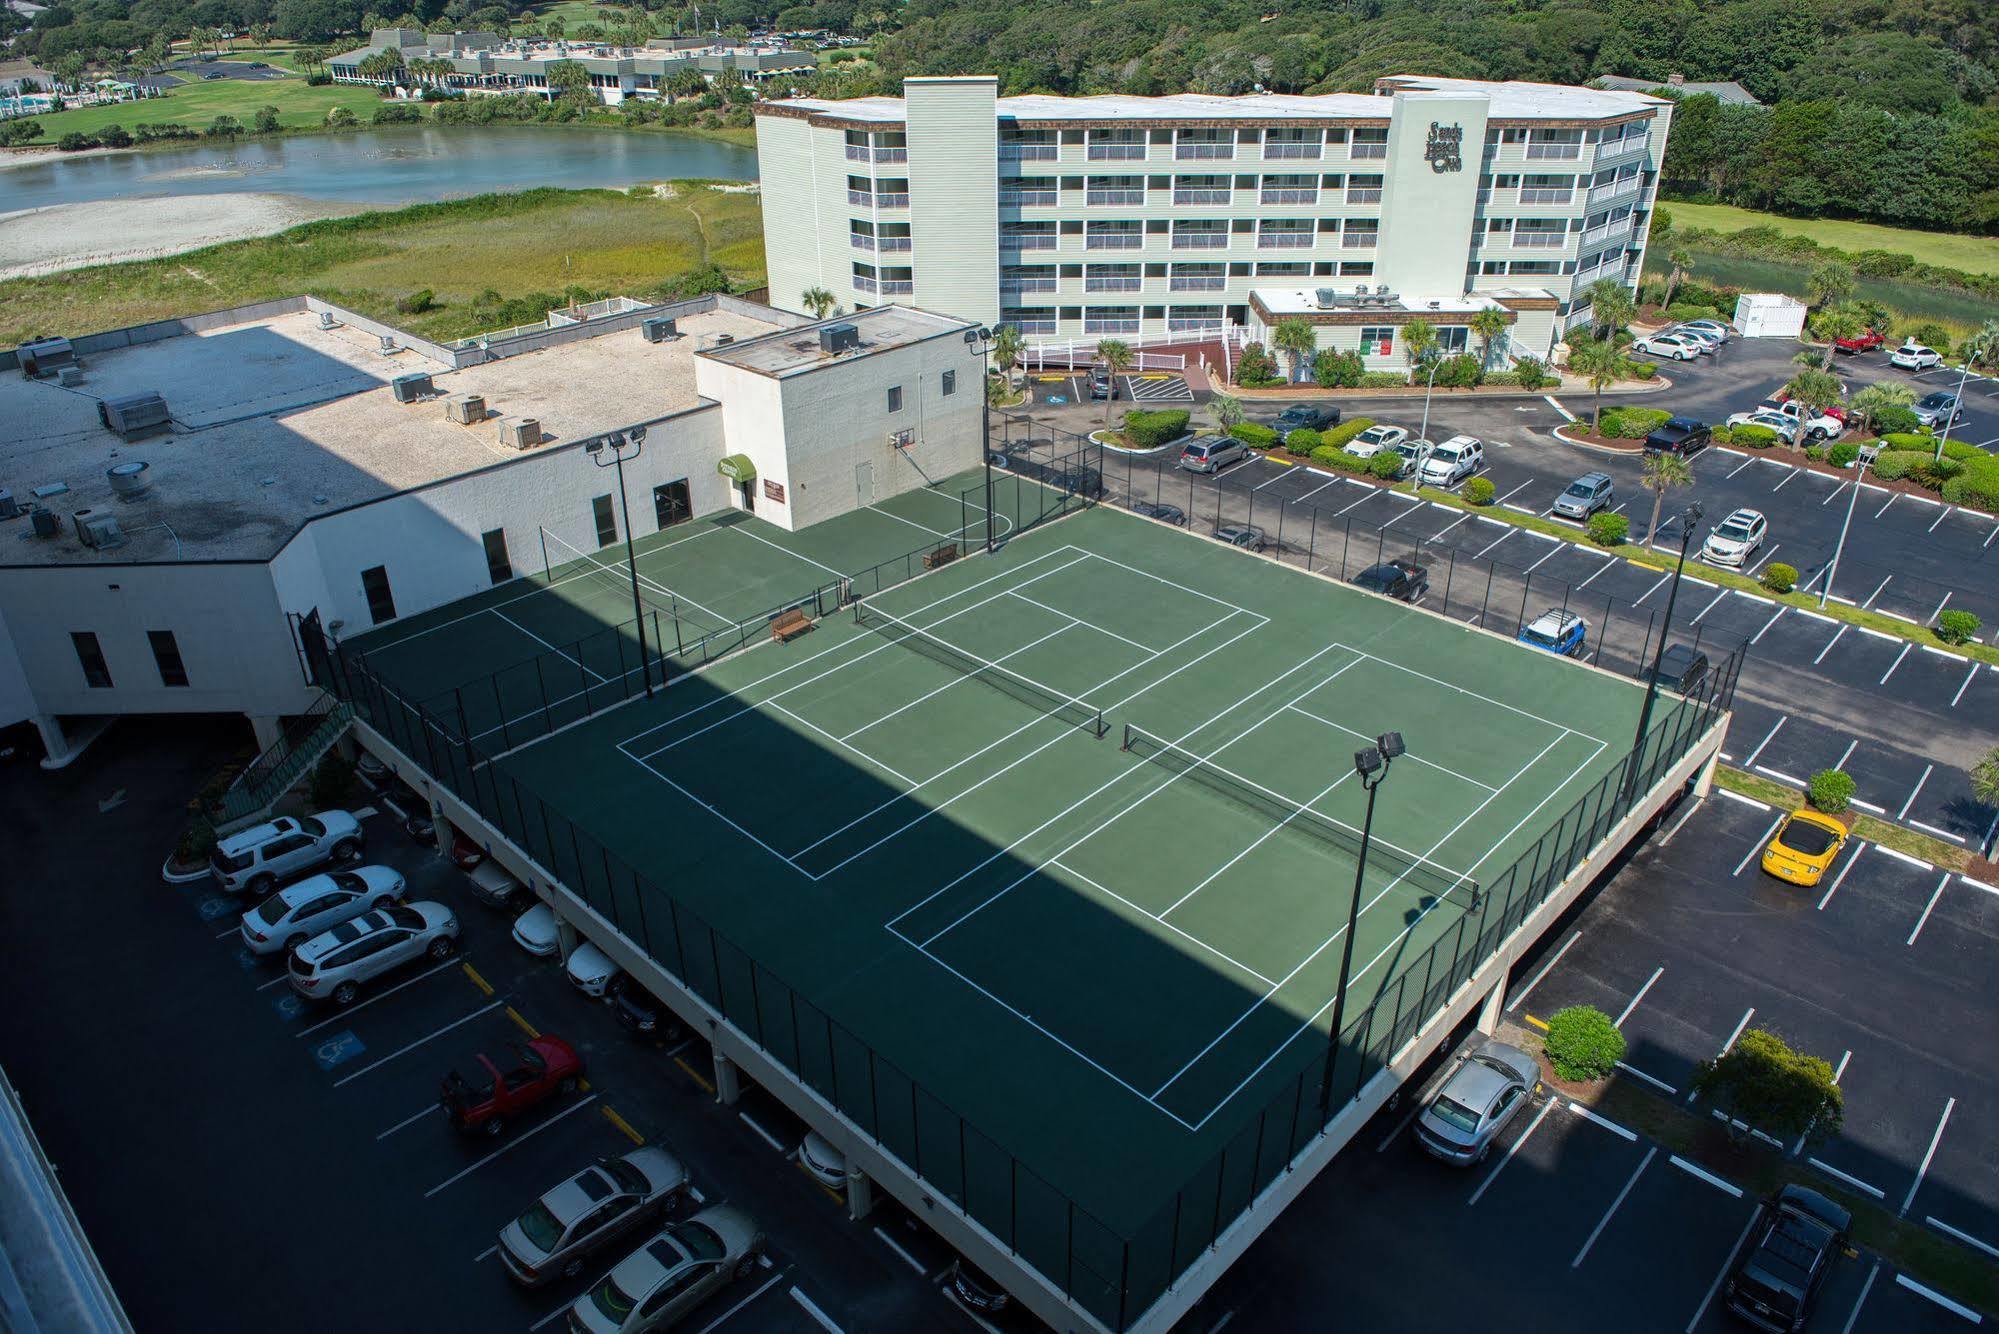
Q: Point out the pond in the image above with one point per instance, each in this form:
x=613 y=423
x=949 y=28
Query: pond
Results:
x=1775 y=275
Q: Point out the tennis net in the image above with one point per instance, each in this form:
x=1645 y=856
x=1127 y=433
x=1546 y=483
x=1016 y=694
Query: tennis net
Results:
x=1055 y=703
x=1433 y=878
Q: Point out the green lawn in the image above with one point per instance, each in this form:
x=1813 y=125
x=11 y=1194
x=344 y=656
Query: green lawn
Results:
x=1973 y=254
x=515 y=245
x=196 y=104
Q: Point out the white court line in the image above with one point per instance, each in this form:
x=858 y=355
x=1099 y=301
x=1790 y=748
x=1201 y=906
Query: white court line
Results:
x=1632 y=1004
x=579 y=663
x=960 y=679
x=843 y=744
x=1142 y=648
x=1259 y=841
x=1928 y=908
x=1755 y=848
x=1520 y=996
x=1428 y=764
x=1511 y=1149
x=1837 y=636
x=409 y=1047
x=1903 y=814
x=1189 y=937
x=1604 y=1222
x=1728 y=1262
x=1858 y=848
x=512 y=1144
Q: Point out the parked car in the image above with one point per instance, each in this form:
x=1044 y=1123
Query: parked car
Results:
x=640 y=1013
x=590 y=1210
x=1687 y=436
x=535 y=932
x=1707 y=339
x=1212 y=453
x=1305 y=417
x=1412 y=452
x=1829 y=424
x=1676 y=347
x=1480 y=1098
x=824 y=1163
x=1165 y=513
x=1557 y=631
x=1735 y=539
x=257 y=860
x=1722 y=331
x=1586 y=495
x=334 y=964
x=1938 y=410
x=290 y=917
x=543 y=1067
x=976 y=1288
x=1375 y=439
x=1915 y=357
x=1682 y=667
x=1103 y=385
x=590 y=969
x=494 y=885
x=670 y=1275
x=1786 y=428
x=1405 y=581
x=1453 y=461
x=1804 y=846
x=1797 y=1236
x=1867 y=341
x=1245 y=535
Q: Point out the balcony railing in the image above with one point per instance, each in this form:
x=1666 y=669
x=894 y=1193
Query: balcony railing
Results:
x=1027 y=284
x=1027 y=152
x=1113 y=241
x=891 y=155
x=1189 y=323
x=1114 y=196
x=1118 y=326
x=1353 y=240
x=1541 y=194
x=1027 y=240
x=1540 y=240
x=1200 y=240
x=857 y=153
x=1283 y=240
x=1028 y=198
x=890 y=244
x=1188 y=152
x=1201 y=195
x=862 y=197
x=1288 y=196
x=1605 y=232
x=1116 y=152
x=865 y=284
x=900 y=199
x=1620 y=147
x=1111 y=284
x=1554 y=152
x=1372 y=196
x=898 y=287
x=1029 y=326
x=1273 y=151
x=1605 y=194
x=860 y=242
x=1206 y=283
x=1368 y=150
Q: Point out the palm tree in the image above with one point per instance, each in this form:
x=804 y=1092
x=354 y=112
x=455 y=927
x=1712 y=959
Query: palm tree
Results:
x=1419 y=339
x=1006 y=349
x=1826 y=284
x=1981 y=350
x=1871 y=403
x=1228 y=410
x=1490 y=324
x=817 y=300
x=1814 y=388
x=1115 y=354
x=1664 y=471
x=1611 y=308
x=1830 y=325
x=1294 y=337
x=1681 y=262
x=1601 y=363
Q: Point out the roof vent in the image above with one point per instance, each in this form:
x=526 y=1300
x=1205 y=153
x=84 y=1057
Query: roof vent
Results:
x=97 y=531
x=45 y=356
x=131 y=480
x=135 y=414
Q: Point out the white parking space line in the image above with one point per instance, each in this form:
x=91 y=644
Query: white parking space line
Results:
x=1729 y=1045
x=486 y=1254
x=1848 y=1178
x=1693 y=808
x=1928 y=769
x=1552 y=553
x=1749 y=760
x=429 y=1109
x=1510 y=531
x=1710 y=606
x=1511 y=1149
x=1988 y=537
x=1928 y=908
x=1906 y=646
x=1655 y=588
x=1315 y=491
x=825 y=1321
x=1858 y=848
x=1964 y=1237
x=1370 y=493
x=1520 y=996
x=277 y=981
x=1452 y=524
x=907 y=1258
x=1886 y=579
x=1758 y=636
x=761 y=1289
x=1514 y=492
x=1604 y=1222
x=1941 y=517
x=1599 y=570
x=1946 y=1303
x=1727 y=1187
x=1774 y=549
x=511 y=1145
x=1728 y=1262
x=1891 y=500
x=1854 y=1317
x=409 y=1047
x=1788 y=479
x=380 y=995
x=1653 y=1080
x=1928 y=828
x=1835 y=494
x=1966 y=685
x=236 y=930
x=1632 y=1004
x=1747 y=460
x=1593 y=1118
x=762 y=1134
x=1838 y=1073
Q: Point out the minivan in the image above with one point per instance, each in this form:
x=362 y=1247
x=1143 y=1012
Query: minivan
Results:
x=1212 y=453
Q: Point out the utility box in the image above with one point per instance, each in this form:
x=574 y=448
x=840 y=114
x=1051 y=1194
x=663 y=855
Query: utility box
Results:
x=466 y=409
x=1769 y=315
x=660 y=329
x=45 y=357
x=520 y=432
x=837 y=338
x=135 y=414
x=412 y=388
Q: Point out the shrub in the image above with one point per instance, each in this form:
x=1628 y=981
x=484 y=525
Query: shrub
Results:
x=1761 y=1082
x=1301 y=442
x=1779 y=577
x=340 y=118
x=1148 y=430
x=1583 y=1044
x=1896 y=419
x=1332 y=456
x=1608 y=530
x=1830 y=790
x=1387 y=465
x=1460 y=372
x=1977 y=486
x=396 y=113
x=1383 y=380
x=319 y=78
x=1477 y=491
x=1842 y=454
x=1689 y=310
x=224 y=127
x=1894 y=464
x=1956 y=627
x=75 y=142
x=1630 y=423
x=332 y=781
x=1254 y=369
x=1338 y=436
x=1253 y=435
x=1643 y=370
x=1816 y=453
x=1930 y=334
x=265 y=121
x=1751 y=436
x=417 y=302
x=114 y=136
x=1532 y=374
x=1334 y=369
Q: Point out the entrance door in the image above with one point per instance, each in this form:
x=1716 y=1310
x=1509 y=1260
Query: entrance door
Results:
x=748 y=490
x=671 y=503
x=864 y=483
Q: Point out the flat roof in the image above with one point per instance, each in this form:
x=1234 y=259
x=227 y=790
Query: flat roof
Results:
x=795 y=351
x=277 y=420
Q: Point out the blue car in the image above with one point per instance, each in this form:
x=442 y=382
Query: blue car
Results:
x=1557 y=631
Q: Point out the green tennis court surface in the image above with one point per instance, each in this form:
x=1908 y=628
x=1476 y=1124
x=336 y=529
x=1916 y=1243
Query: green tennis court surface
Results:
x=925 y=821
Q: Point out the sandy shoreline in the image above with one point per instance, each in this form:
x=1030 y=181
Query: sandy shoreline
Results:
x=68 y=236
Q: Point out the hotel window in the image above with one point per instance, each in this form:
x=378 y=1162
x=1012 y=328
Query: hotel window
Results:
x=895 y=398
x=381 y=600
x=96 y=672
x=1377 y=340
x=166 y=653
x=607 y=520
x=950 y=383
x=499 y=568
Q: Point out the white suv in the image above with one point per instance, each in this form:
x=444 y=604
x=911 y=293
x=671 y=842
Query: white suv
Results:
x=333 y=965
x=1453 y=461
x=258 y=858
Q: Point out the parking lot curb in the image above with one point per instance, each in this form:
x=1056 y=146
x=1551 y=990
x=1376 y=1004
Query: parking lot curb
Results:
x=184 y=878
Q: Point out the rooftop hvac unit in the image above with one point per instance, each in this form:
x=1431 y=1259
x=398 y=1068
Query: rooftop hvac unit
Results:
x=8 y=509
x=466 y=409
x=97 y=531
x=520 y=432
x=412 y=388
x=134 y=414
x=723 y=340
x=69 y=377
x=45 y=356
x=660 y=329
x=45 y=521
x=388 y=345
x=837 y=338
x=1326 y=298
x=131 y=480
x=326 y=320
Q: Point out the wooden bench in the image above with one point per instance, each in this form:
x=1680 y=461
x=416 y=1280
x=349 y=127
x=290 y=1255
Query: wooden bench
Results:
x=943 y=555
x=787 y=626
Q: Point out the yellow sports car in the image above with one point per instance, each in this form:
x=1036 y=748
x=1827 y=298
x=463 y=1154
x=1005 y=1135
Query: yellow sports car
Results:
x=1804 y=846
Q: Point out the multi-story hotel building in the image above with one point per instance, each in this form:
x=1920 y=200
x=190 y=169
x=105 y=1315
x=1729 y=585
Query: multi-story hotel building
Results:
x=484 y=62
x=1174 y=219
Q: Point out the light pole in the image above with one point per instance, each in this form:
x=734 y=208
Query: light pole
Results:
x=615 y=445
x=1371 y=763
x=981 y=340
x=1861 y=461
x=1956 y=402
x=1689 y=519
x=1424 y=447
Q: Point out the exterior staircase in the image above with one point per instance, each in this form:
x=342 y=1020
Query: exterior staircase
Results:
x=305 y=740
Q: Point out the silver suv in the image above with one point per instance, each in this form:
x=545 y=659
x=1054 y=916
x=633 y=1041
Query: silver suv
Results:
x=334 y=964
x=257 y=859
x=1586 y=495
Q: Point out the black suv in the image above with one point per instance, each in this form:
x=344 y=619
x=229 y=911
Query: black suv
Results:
x=1402 y=580
x=1785 y=1258
x=1682 y=668
x=1680 y=435
x=1304 y=417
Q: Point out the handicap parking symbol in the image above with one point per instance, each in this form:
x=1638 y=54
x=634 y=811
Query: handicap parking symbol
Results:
x=1057 y=400
x=215 y=907
x=290 y=1004
x=338 y=1049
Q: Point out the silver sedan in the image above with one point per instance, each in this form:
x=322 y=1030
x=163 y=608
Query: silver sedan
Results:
x=588 y=1211
x=1483 y=1095
x=670 y=1275
x=295 y=915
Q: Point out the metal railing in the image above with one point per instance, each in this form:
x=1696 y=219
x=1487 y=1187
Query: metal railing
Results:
x=1116 y=152
x=300 y=744
x=1544 y=194
x=1540 y=240
x=898 y=286
x=1027 y=152
x=1113 y=240
x=1290 y=150
x=1027 y=284
x=1030 y=198
x=860 y=241
x=1027 y=240
x=1201 y=195
x=898 y=199
x=1367 y=195
x=862 y=284
x=1110 y=326
x=1553 y=152
x=1118 y=196
x=864 y=198
x=891 y=244
x=1203 y=283
x=1366 y=149
x=1200 y=240
x=1191 y=152
x=1287 y=195
x=1282 y=240
x=1128 y=284
x=1350 y=239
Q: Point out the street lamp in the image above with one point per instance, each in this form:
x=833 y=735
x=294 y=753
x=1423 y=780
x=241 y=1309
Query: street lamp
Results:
x=1371 y=763
x=1425 y=448
x=1956 y=402
x=1861 y=461
x=980 y=340
x=1689 y=520
x=614 y=444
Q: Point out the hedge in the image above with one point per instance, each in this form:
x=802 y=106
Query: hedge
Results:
x=1148 y=430
x=1607 y=529
x=1301 y=442
x=1830 y=790
x=1894 y=464
x=1751 y=436
x=1842 y=454
x=1253 y=435
x=1384 y=380
x=1630 y=423
x=1977 y=486
x=1340 y=436
x=1955 y=626
x=1387 y=465
x=1583 y=1044
x=1923 y=442
x=1687 y=310
x=1332 y=456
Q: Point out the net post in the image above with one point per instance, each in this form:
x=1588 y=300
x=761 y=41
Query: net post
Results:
x=547 y=570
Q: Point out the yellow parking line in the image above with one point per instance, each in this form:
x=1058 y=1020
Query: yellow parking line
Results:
x=1541 y=1024
x=694 y=1074
x=621 y=1123
x=831 y=1194
x=1282 y=462
x=526 y=1027
x=477 y=980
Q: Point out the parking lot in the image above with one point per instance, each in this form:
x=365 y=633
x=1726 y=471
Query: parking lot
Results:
x=229 y=1147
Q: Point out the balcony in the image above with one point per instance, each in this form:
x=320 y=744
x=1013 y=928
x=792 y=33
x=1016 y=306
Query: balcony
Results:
x=1554 y=152
x=1110 y=326
x=1192 y=323
x=1027 y=284
x=861 y=197
x=1114 y=196
x=900 y=199
x=1283 y=240
x=857 y=153
x=1369 y=196
x=1201 y=195
x=1200 y=240
x=865 y=284
x=1274 y=151
x=860 y=241
x=862 y=153
x=1117 y=152
x=1027 y=152
x=891 y=244
x=1203 y=152
x=1540 y=194
x=1625 y=147
x=1027 y=240
x=1029 y=326
x=898 y=287
x=1204 y=283
x=1361 y=240
x=1026 y=198
x=1607 y=194
x=1111 y=284
x=1113 y=241
x=1361 y=151
x=1540 y=240
x=1288 y=196
x=1605 y=232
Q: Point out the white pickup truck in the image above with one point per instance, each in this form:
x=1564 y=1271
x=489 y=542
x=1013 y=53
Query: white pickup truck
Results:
x=1817 y=426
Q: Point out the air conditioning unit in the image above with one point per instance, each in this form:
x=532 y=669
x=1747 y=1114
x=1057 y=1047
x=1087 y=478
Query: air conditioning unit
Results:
x=837 y=338
x=134 y=414
x=660 y=329
x=520 y=432
x=8 y=509
x=45 y=356
x=45 y=522
x=902 y=439
x=466 y=409
x=97 y=531
x=69 y=377
x=723 y=340
x=1326 y=298
x=412 y=388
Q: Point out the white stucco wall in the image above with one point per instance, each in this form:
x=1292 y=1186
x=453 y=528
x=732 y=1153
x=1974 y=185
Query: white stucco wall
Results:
x=1426 y=219
x=794 y=232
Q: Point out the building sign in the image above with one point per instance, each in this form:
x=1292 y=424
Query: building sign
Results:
x=773 y=490
x=1443 y=152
